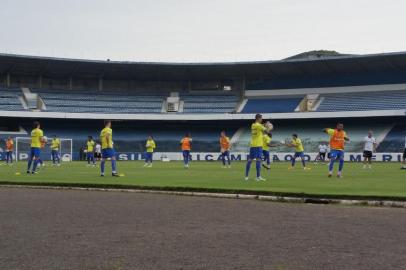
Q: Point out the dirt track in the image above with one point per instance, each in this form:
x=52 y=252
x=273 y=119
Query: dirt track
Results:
x=49 y=229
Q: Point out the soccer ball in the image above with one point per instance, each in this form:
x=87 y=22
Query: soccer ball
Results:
x=269 y=125
x=45 y=138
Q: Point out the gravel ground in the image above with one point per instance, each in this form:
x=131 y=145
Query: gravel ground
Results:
x=62 y=229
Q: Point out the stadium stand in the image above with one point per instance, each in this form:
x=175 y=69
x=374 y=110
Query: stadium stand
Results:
x=394 y=140
x=313 y=81
x=100 y=102
x=9 y=100
x=209 y=103
x=275 y=105
x=366 y=101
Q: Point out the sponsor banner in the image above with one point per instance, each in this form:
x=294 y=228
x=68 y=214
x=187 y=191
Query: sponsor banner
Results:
x=45 y=157
x=235 y=156
x=240 y=156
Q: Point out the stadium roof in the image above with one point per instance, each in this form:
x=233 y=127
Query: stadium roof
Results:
x=327 y=65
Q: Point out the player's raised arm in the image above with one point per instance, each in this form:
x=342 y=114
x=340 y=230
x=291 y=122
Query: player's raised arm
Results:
x=375 y=145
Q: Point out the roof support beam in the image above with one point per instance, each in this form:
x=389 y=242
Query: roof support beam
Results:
x=70 y=83
x=8 y=79
x=40 y=81
x=101 y=83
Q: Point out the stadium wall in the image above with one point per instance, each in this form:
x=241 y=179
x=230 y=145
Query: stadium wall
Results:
x=215 y=156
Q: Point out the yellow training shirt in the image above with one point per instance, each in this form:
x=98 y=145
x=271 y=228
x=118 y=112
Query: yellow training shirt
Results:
x=36 y=135
x=298 y=145
x=55 y=143
x=106 y=137
x=150 y=145
x=257 y=131
x=267 y=141
x=90 y=145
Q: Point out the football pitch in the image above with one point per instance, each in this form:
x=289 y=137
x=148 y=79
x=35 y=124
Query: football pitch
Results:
x=383 y=180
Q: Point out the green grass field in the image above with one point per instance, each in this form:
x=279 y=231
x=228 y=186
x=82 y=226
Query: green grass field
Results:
x=383 y=180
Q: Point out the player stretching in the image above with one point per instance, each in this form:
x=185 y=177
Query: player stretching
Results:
x=106 y=138
x=9 y=151
x=225 y=149
x=150 y=146
x=257 y=141
x=299 y=151
x=55 y=145
x=369 y=148
x=267 y=138
x=97 y=151
x=90 y=151
x=186 y=145
x=337 y=141
x=36 y=139
x=321 y=156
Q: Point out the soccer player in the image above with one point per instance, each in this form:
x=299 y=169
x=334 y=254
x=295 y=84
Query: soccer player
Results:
x=90 y=151
x=225 y=147
x=97 y=151
x=186 y=146
x=369 y=148
x=338 y=137
x=257 y=141
x=9 y=150
x=150 y=146
x=106 y=138
x=267 y=138
x=299 y=151
x=323 y=149
x=55 y=145
x=40 y=162
x=36 y=139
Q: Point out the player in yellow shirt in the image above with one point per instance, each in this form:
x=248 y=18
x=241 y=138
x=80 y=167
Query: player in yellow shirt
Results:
x=106 y=138
x=257 y=141
x=90 y=151
x=299 y=151
x=55 y=146
x=150 y=147
x=37 y=139
x=225 y=147
x=267 y=138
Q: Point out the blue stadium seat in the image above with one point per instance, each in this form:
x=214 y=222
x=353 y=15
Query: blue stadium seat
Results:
x=364 y=101
x=9 y=100
x=209 y=103
x=276 y=105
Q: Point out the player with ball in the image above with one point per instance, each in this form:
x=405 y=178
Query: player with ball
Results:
x=37 y=140
x=257 y=133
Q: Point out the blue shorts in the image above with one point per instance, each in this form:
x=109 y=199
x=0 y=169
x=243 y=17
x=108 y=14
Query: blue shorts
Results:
x=35 y=152
x=298 y=154
x=108 y=153
x=186 y=153
x=148 y=156
x=337 y=154
x=89 y=155
x=266 y=156
x=55 y=152
x=225 y=153
x=255 y=152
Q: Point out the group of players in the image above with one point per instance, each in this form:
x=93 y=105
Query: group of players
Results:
x=260 y=144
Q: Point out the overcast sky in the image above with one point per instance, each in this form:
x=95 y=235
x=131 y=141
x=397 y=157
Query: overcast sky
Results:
x=199 y=30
